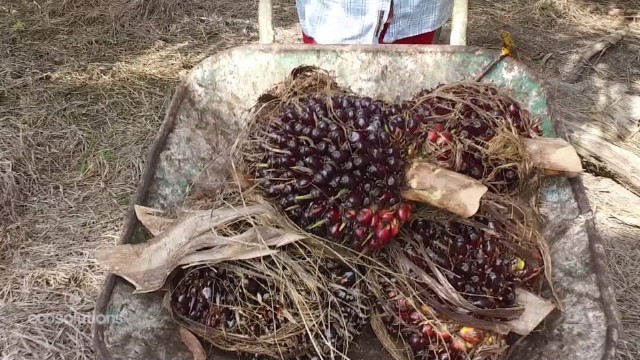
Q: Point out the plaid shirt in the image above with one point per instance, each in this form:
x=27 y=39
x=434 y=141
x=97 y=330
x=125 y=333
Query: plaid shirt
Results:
x=361 y=21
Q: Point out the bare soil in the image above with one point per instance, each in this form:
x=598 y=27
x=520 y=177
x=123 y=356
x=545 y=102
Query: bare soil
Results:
x=84 y=86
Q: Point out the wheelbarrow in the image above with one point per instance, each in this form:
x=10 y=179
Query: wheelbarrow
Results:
x=205 y=115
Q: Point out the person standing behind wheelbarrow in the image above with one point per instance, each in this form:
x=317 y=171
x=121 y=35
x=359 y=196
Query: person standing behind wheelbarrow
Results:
x=372 y=21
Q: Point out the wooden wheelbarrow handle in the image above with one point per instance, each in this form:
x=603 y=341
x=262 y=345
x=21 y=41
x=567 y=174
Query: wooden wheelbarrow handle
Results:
x=458 y=22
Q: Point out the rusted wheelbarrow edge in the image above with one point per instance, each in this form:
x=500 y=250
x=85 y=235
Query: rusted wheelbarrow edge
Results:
x=598 y=256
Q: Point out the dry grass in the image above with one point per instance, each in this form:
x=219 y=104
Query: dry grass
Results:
x=82 y=91
x=618 y=219
x=83 y=87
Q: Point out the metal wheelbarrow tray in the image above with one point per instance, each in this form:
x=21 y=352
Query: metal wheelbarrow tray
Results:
x=202 y=122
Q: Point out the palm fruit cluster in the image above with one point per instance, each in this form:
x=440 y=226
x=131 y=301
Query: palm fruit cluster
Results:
x=209 y=296
x=460 y=120
x=474 y=261
x=252 y=306
x=429 y=335
x=335 y=167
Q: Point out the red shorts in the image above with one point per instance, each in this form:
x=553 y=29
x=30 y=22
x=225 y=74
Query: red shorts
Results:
x=422 y=39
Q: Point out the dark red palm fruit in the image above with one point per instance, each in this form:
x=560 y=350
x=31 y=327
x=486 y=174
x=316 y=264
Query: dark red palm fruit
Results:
x=346 y=102
x=373 y=138
x=292 y=144
x=514 y=110
x=328 y=169
x=395 y=227
x=321 y=113
x=333 y=215
x=375 y=220
x=417 y=342
x=339 y=156
x=481 y=302
x=443 y=335
x=364 y=216
x=393 y=181
x=444 y=138
x=480 y=260
x=462 y=268
x=377 y=190
x=288 y=128
x=385 y=139
x=318 y=134
x=419 y=117
x=375 y=244
x=499 y=267
x=474 y=239
x=303 y=182
x=348 y=181
x=366 y=188
x=350 y=214
x=356 y=137
x=288 y=201
x=337 y=136
x=376 y=170
x=335 y=230
x=362 y=122
x=427 y=330
x=361 y=162
x=404 y=212
x=438 y=127
x=306 y=132
x=490 y=248
x=288 y=189
x=382 y=235
x=392 y=151
x=494 y=282
x=313 y=162
x=320 y=179
x=287 y=161
x=336 y=102
x=376 y=154
x=366 y=102
x=354 y=200
x=432 y=136
x=361 y=233
x=335 y=182
x=459 y=246
x=386 y=215
x=393 y=163
x=376 y=123
x=351 y=114
x=315 y=210
x=340 y=114
x=323 y=125
x=306 y=151
x=508 y=297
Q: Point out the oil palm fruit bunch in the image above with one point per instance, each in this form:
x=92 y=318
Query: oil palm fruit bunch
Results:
x=429 y=335
x=243 y=310
x=460 y=121
x=475 y=261
x=335 y=166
